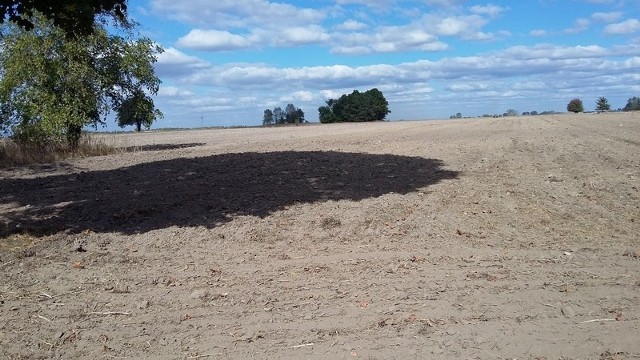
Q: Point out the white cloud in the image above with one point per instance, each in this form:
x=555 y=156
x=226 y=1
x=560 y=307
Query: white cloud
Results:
x=172 y=62
x=512 y=62
x=579 y=26
x=606 y=17
x=491 y=10
x=172 y=91
x=173 y=56
x=237 y=14
x=445 y=3
x=303 y=35
x=299 y=96
x=251 y=24
x=351 y=25
x=212 y=40
x=538 y=32
x=622 y=28
x=468 y=86
x=529 y=85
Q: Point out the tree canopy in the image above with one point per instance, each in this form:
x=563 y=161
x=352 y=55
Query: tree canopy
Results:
x=75 y=17
x=355 y=107
x=52 y=86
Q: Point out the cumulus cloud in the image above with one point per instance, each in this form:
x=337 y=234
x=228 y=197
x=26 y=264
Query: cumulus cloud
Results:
x=538 y=32
x=298 y=35
x=580 y=25
x=250 y=24
x=351 y=25
x=468 y=86
x=212 y=40
x=172 y=91
x=514 y=61
x=623 y=28
x=509 y=78
x=491 y=10
x=606 y=17
x=299 y=96
x=172 y=62
x=238 y=14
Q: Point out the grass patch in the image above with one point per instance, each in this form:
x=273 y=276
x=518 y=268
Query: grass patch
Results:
x=15 y=154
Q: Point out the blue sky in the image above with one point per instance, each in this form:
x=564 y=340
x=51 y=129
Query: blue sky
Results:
x=226 y=61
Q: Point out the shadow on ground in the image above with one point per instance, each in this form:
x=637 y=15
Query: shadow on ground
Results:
x=204 y=191
x=161 y=147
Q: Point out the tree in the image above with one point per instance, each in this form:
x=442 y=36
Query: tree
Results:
x=575 y=105
x=267 y=118
x=290 y=114
x=633 y=104
x=511 y=112
x=278 y=115
x=326 y=115
x=75 y=17
x=137 y=110
x=53 y=86
x=300 y=116
x=602 y=104
x=355 y=107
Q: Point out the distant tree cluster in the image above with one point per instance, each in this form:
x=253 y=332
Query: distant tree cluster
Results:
x=355 y=107
x=290 y=115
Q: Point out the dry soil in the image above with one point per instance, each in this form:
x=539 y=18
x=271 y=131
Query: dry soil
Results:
x=493 y=238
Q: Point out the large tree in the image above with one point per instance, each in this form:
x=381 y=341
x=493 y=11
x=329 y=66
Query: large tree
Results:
x=52 y=86
x=75 y=17
x=355 y=107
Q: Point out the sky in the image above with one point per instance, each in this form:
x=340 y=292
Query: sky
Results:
x=226 y=61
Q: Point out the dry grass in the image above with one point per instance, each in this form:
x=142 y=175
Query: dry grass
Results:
x=15 y=154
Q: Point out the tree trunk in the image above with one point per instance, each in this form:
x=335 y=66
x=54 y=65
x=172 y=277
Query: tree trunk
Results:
x=73 y=135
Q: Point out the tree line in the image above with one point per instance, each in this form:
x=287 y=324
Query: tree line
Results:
x=602 y=104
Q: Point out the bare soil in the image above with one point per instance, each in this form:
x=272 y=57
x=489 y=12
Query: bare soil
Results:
x=494 y=238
